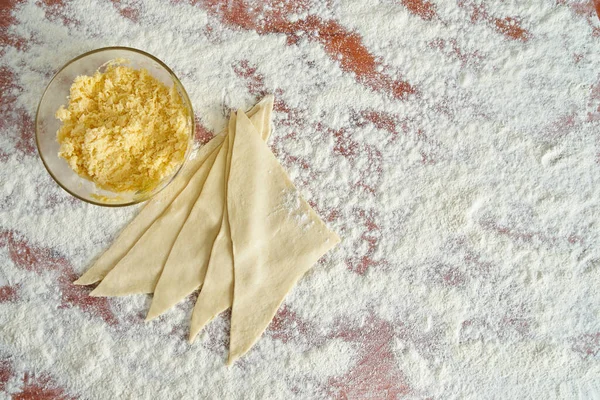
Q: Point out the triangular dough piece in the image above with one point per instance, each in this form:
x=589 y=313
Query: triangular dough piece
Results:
x=260 y=115
x=186 y=266
x=139 y=270
x=217 y=290
x=216 y=295
x=276 y=236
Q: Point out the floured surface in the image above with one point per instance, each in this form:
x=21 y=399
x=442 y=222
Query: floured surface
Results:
x=452 y=145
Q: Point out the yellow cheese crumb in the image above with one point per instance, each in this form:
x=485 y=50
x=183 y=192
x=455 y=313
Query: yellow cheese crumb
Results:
x=123 y=129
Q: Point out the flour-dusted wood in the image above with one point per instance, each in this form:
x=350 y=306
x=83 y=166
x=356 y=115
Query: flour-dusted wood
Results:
x=468 y=211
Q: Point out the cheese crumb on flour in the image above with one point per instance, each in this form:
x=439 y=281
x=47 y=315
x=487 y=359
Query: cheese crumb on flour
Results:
x=123 y=129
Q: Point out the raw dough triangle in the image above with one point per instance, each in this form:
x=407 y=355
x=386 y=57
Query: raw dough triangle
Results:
x=139 y=270
x=276 y=236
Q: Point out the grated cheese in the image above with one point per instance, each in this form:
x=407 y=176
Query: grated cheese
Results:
x=123 y=129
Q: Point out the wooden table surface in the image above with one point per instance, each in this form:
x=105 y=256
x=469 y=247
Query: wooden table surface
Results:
x=387 y=352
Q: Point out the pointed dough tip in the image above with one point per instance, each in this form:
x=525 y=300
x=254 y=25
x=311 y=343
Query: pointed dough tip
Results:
x=337 y=238
x=83 y=281
x=194 y=331
x=150 y=316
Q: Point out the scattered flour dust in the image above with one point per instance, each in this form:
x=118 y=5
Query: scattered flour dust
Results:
x=295 y=208
x=453 y=146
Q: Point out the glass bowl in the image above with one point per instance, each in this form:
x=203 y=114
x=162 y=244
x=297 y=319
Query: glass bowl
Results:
x=56 y=94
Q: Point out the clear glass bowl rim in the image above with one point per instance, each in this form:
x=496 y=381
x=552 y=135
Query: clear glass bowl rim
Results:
x=175 y=79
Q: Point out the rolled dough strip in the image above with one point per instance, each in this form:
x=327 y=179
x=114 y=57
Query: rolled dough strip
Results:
x=276 y=236
x=157 y=205
x=217 y=291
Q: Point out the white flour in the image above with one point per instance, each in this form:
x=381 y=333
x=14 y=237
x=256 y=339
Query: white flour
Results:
x=294 y=209
x=468 y=209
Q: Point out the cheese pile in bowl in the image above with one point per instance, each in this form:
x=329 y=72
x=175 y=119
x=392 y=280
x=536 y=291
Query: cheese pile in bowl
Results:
x=123 y=129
